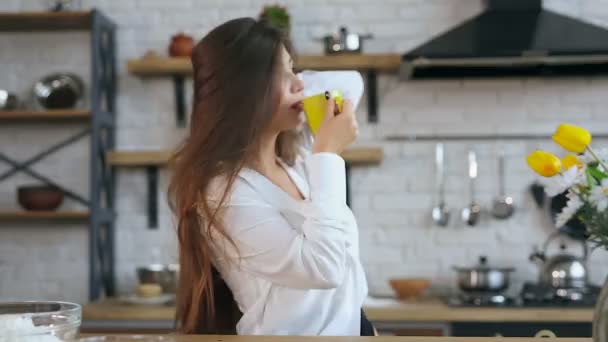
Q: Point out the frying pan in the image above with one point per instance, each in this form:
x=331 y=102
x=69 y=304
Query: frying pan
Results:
x=574 y=228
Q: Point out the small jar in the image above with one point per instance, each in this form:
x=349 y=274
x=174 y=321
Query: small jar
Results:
x=181 y=45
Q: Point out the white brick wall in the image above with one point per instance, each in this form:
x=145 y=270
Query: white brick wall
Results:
x=391 y=201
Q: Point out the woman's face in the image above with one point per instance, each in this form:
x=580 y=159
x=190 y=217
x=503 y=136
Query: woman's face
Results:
x=289 y=114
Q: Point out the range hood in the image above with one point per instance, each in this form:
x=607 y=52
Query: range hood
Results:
x=512 y=38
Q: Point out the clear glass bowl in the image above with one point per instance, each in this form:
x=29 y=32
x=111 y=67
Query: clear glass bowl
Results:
x=39 y=321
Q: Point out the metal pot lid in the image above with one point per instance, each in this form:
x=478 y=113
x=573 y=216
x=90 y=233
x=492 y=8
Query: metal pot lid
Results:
x=483 y=266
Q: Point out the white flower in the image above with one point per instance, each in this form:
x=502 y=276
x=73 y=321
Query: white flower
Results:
x=587 y=157
x=562 y=182
x=571 y=208
x=599 y=195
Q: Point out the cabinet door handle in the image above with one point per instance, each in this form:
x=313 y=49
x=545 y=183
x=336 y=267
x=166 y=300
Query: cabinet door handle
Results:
x=545 y=333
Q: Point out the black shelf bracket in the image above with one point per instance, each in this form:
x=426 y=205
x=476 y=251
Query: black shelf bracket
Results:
x=152 y=172
x=372 y=96
x=25 y=167
x=180 y=100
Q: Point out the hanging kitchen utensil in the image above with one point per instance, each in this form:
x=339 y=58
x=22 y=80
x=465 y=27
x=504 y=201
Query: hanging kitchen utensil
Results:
x=538 y=193
x=440 y=213
x=574 y=228
x=502 y=207
x=471 y=214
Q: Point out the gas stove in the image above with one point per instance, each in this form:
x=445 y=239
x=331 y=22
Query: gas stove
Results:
x=538 y=295
x=531 y=295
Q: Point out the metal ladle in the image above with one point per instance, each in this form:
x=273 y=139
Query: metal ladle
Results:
x=470 y=215
x=502 y=208
x=440 y=213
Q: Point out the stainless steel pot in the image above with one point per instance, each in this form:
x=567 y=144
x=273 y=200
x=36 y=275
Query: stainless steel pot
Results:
x=563 y=270
x=344 y=42
x=166 y=276
x=58 y=91
x=483 y=278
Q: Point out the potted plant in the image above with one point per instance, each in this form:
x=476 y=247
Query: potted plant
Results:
x=583 y=174
x=278 y=16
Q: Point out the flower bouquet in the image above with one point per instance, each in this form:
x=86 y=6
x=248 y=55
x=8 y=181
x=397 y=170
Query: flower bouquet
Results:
x=583 y=174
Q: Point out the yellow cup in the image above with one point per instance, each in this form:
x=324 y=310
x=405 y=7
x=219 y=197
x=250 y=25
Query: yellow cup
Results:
x=315 y=106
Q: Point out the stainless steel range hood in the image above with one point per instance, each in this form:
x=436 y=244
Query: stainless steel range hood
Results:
x=512 y=38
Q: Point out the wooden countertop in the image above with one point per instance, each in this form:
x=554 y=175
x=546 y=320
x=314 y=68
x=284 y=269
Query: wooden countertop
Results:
x=390 y=310
x=218 y=338
x=378 y=310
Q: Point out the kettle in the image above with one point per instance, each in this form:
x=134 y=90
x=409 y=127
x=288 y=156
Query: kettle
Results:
x=563 y=270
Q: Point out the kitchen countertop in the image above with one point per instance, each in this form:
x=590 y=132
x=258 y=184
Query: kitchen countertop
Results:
x=378 y=310
x=218 y=338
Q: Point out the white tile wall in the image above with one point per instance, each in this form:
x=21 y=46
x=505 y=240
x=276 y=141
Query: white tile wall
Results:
x=391 y=201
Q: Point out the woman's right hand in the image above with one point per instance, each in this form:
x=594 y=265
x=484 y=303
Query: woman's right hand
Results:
x=337 y=131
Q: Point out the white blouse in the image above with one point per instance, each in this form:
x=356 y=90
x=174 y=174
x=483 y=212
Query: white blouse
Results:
x=297 y=268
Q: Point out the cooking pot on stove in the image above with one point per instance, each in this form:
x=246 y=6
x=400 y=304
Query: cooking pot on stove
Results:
x=483 y=278
x=562 y=270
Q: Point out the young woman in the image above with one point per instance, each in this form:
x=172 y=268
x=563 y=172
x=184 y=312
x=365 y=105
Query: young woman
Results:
x=262 y=217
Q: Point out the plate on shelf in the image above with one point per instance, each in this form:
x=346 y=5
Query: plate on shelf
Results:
x=158 y=300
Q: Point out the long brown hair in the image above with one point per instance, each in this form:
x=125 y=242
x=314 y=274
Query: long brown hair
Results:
x=234 y=100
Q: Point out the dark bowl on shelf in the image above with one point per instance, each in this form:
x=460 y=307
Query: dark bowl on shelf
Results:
x=39 y=197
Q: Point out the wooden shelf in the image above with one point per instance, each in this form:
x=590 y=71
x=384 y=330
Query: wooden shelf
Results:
x=355 y=156
x=45 y=21
x=179 y=68
x=378 y=62
x=44 y=215
x=363 y=155
x=166 y=66
x=159 y=66
x=138 y=158
x=50 y=115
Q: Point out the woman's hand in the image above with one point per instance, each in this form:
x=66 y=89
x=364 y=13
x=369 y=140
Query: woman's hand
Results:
x=337 y=131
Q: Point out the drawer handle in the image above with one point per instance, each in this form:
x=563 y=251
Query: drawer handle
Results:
x=545 y=334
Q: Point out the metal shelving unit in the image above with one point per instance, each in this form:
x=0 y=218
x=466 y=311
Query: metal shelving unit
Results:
x=101 y=128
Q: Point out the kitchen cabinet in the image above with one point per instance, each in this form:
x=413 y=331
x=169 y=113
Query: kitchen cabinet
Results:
x=391 y=317
x=521 y=329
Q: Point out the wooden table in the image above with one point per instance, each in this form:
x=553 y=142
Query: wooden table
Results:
x=202 y=338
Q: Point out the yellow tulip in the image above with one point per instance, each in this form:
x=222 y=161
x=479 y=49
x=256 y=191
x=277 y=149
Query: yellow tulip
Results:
x=544 y=163
x=571 y=160
x=572 y=138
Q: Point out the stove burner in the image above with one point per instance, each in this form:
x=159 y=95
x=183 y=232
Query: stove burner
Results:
x=531 y=295
x=535 y=294
x=480 y=299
